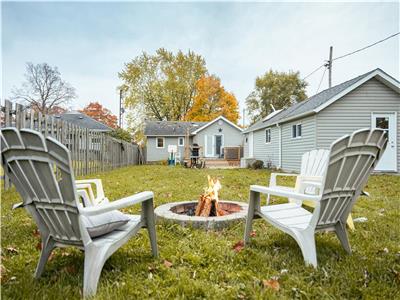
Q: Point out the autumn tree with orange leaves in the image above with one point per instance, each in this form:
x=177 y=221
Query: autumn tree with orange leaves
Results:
x=96 y=111
x=212 y=101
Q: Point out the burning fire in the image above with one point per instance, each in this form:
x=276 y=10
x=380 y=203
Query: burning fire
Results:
x=208 y=202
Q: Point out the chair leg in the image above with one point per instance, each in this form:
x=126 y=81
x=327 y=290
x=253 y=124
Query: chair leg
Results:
x=94 y=262
x=341 y=233
x=254 y=205
x=148 y=211
x=306 y=241
x=47 y=248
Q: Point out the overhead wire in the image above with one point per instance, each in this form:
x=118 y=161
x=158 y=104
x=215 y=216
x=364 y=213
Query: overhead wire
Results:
x=366 y=47
x=322 y=78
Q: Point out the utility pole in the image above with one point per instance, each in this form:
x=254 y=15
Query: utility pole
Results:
x=329 y=65
x=120 y=108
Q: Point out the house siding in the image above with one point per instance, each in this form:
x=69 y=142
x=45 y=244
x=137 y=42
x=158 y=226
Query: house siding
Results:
x=268 y=153
x=353 y=111
x=294 y=148
x=246 y=145
x=232 y=137
x=157 y=154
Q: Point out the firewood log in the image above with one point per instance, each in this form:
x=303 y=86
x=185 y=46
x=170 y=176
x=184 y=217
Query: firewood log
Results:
x=206 y=208
x=200 y=205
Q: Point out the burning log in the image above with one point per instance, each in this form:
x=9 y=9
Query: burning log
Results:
x=208 y=202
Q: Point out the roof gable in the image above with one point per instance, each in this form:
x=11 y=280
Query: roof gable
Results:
x=216 y=120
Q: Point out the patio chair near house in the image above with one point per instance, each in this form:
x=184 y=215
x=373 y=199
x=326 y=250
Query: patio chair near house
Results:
x=41 y=170
x=313 y=166
x=351 y=160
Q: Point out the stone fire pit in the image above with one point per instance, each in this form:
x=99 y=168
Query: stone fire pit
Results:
x=183 y=213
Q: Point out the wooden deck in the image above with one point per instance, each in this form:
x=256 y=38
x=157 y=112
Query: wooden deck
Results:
x=219 y=163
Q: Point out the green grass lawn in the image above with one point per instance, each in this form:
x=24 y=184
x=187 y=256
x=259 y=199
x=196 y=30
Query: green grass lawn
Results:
x=204 y=265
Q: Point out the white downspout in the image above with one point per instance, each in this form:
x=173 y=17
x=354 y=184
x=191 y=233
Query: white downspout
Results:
x=280 y=147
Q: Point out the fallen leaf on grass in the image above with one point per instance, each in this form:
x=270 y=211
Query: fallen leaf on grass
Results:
x=39 y=246
x=238 y=246
x=272 y=284
x=167 y=263
x=12 y=250
x=36 y=233
x=253 y=233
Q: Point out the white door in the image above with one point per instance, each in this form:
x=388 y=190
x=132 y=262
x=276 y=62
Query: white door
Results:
x=251 y=145
x=208 y=145
x=387 y=121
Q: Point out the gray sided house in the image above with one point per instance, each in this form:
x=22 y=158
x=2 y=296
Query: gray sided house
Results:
x=369 y=100
x=211 y=136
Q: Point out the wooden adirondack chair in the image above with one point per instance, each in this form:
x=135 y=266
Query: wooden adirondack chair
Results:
x=313 y=166
x=351 y=160
x=40 y=168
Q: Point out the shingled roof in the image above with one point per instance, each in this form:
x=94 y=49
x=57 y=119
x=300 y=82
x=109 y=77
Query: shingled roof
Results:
x=170 y=128
x=312 y=103
x=82 y=120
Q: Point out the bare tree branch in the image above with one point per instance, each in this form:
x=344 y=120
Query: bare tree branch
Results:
x=44 y=88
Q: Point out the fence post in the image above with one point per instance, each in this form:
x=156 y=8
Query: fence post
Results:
x=86 y=151
x=7 y=117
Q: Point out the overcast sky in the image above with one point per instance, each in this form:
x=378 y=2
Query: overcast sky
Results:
x=90 y=42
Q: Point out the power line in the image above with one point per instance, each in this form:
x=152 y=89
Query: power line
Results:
x=314 y=71
x=366 y=47
x=353 y=52
x=322 y=78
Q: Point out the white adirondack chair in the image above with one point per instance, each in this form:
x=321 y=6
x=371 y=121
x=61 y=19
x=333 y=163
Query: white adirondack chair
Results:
x=40 y=168
x=351 y=159
x=313 y=166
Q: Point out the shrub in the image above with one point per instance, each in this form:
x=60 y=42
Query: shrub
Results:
x=258 y=164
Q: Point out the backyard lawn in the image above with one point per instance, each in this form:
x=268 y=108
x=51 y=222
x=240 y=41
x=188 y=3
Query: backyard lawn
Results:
x=195 y=264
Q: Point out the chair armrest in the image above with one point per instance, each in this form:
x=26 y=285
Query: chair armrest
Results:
x=272 y=180
x=311 y=178
x=118 y=204
x=284 y=193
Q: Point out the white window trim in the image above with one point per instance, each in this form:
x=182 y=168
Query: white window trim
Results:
x=183 y=141
x=163 y=138
x=265 y=136
x=297 y=136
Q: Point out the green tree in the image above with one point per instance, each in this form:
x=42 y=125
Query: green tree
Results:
x=162 y=85
x=277 y=88
x=122 y=134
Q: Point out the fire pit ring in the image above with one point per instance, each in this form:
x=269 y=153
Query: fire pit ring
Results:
x=182 y=213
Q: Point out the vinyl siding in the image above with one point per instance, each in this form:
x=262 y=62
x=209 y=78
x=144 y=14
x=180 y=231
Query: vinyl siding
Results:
x=156 y=154
x=294 y=148
x=353 y=112
x=245 y=145
x=267 y=152
x=231 y=136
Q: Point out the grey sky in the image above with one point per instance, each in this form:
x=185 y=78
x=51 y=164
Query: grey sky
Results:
x=90 y=42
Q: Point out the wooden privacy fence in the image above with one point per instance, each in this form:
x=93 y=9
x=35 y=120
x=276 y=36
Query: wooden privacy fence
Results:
x=91 y=151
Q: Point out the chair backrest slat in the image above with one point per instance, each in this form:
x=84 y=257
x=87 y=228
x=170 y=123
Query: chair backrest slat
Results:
x=41 y=170
x=351 y=161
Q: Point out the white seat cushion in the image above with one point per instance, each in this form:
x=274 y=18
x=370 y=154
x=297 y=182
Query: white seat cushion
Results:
x=290 y=215
x=104 y=223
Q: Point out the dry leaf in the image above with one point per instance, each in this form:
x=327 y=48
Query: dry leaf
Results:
x=36 y=233
x=12 y=250
x=253 y=233
x=39 y=246
x=272 y=284
x=167 y=263
x=238 y=246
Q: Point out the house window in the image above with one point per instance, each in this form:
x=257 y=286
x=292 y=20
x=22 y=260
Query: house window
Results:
x=296 y=131
x=181 y=141
x=160 y=142
x=268 y=136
